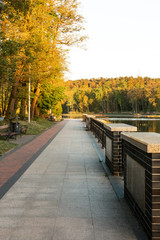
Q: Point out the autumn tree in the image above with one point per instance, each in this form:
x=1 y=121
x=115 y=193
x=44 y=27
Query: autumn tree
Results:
x=36 y=32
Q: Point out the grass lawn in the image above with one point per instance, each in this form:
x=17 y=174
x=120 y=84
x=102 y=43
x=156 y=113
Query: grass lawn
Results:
x=34 y=128
x=5 y=146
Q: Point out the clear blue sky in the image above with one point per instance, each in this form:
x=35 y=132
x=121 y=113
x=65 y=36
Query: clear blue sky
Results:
x=124 y=40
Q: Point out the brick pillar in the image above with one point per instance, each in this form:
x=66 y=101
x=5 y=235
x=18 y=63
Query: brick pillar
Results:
x=113 y=151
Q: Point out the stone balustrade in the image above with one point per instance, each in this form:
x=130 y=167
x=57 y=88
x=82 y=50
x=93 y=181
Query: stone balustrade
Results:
x=136 y=155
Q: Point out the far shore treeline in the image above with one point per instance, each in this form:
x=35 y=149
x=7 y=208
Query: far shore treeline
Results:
x=104 y=95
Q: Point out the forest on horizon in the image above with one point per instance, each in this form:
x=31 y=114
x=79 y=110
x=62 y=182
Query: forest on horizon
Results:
x=106 y=95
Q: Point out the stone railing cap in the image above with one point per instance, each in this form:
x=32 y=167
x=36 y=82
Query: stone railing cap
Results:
x=90 y=116
x=120 y=127
x=146 y=141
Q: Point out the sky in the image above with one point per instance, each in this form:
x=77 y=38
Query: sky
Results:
x=124 y=40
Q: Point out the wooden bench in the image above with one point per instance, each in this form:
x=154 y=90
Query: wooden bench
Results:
x=6 y=133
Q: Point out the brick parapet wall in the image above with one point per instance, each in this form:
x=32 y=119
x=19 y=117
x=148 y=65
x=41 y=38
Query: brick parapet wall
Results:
x=150 y=219
x=115 y=164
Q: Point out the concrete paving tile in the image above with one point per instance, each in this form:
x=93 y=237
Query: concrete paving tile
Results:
x=104 y=197
x=76 y=173
x=72 y=192
x=13 y=204
x=85 y=223
x=47 y=197
x=8 y=222
x=100 y=185
x=22 y=189
x=106 y=223
x=76 y=212
x=50 y=212
x=56 y=173
x=97 y=191
x=98 y=188
x=74 y=177
x=105 y=209
x=5 y=233
x=92 y=158
x=94 y=166
x=114 y=235
x=32 y=233
x=77 y=164
x=75 y=168
x=73 y=229
x=27 y=182
x=90 y=174
x=110 y=213
x=36 y=221
x=74 y=207
x=57 y=178
x=54 y=156
x=75 y=201
x=77 y=182
x=95 y=171
x=74 y=156
x=52 y=176
x=99 y=179
x=45 y=203
x=53 y=188
x=19 y=196
x=57 y=170
x=13 y=212
x=50 y=189
x=35 y=171
x=31 y=176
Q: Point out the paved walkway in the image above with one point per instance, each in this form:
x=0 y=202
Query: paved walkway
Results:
x=13 y=164
x=64 y=194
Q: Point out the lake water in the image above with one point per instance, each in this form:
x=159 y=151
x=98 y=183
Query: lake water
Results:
x=142 y=124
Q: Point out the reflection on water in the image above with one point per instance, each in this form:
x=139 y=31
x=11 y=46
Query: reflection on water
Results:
x=142 y=124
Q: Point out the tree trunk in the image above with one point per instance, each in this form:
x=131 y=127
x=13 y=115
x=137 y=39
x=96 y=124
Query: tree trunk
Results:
x=2 y=100
x=13 y=100
x=36 y=111
x=23 y=108
x=33 y=105
x=107 y=106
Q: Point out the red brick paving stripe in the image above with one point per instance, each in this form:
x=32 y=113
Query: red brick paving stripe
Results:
x=9 y=165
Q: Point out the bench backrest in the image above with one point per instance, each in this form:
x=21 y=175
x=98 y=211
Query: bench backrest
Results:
x=3 y=127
